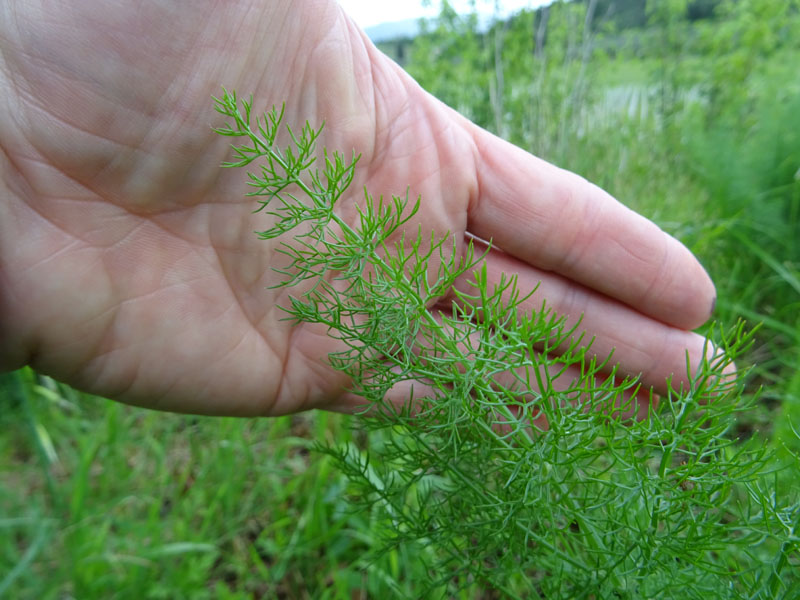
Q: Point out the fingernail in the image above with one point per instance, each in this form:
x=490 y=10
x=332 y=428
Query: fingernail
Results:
x=713 y=305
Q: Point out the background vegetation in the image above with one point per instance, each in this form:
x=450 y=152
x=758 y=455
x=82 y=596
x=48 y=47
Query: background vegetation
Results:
x=687 y=111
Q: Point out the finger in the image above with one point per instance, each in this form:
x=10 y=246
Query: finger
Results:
x=557 y=221
x=641 y=346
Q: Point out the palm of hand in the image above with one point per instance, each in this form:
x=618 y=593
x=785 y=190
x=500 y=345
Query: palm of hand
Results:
x=128 y=263
x=144 y=279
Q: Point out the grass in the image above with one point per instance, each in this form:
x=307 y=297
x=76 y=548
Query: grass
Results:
x=100 y=500
x=148 y=505
x=128 y=503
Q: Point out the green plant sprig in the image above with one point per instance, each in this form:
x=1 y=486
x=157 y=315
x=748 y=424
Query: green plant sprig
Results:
x=498 y=474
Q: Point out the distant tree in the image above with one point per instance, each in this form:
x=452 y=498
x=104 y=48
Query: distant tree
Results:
x=632 y=14
x=701 y=9
x=625 y=14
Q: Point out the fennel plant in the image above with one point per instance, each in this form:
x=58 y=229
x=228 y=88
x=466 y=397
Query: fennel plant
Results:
x=497 y=478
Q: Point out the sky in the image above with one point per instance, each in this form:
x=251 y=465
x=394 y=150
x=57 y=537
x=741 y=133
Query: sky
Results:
x=371 y=12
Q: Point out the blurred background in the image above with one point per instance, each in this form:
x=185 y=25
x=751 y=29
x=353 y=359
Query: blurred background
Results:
x=686 y=110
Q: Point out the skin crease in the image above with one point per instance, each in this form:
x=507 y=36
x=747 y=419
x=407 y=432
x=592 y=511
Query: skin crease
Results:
x=128 y=267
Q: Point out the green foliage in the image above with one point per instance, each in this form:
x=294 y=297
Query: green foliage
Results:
x=511 y=481
x=525 y=79
x=624 y=13
x=748 y=34
x=147 y=505
x=454 y=43
x=752 y=176
x=733 y=125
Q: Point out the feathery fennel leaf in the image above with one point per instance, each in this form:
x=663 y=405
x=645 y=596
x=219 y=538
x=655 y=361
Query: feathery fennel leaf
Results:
x=480 y=455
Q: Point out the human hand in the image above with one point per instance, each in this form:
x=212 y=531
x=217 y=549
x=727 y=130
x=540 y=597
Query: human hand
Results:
x=128 y=267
